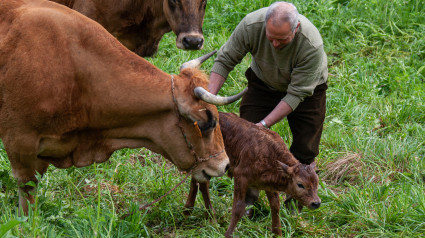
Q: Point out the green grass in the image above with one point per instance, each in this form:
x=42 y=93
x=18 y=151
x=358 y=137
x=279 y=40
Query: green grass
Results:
x=371 y=165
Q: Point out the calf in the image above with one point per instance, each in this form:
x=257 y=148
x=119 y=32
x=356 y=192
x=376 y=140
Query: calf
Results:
x=260 y=159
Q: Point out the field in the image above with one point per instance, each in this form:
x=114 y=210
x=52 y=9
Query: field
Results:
x=371 y=165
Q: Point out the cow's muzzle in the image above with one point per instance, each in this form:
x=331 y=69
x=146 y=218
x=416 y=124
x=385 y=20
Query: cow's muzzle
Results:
x=193 y=42
x=190 y=41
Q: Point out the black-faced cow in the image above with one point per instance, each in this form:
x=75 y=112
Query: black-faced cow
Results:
x=140 y=24
x=71 y=94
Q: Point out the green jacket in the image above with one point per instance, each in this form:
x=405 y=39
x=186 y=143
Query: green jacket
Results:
x=296 y=69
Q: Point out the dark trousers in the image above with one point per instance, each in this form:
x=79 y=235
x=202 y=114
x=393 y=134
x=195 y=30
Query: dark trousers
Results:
x=305 y=122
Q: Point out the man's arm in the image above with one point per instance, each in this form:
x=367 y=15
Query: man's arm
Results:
x=279 y=112
x=229 y=55
x=216 y=82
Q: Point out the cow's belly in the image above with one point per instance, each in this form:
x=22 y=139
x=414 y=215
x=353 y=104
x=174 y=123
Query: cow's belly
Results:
x=56 y=147
x=70 y=151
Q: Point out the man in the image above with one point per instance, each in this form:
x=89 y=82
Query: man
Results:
x=287 y=77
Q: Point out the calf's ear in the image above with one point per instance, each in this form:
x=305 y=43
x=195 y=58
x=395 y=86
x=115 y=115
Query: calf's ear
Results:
x=284 y=168
x=313 y=165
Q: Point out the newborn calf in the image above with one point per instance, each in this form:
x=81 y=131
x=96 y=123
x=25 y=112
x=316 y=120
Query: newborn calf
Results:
x=260 y=159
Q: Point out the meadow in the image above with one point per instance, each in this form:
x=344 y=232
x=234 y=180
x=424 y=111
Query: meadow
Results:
x=371 y=165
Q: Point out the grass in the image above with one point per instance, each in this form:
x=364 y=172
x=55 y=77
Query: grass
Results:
x=371 y=165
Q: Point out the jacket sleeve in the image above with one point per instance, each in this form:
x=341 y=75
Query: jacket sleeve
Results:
x=305 y=76
x=233 y=51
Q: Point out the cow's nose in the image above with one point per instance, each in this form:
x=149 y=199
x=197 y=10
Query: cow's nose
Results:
x=315 y=205
x=192 y=42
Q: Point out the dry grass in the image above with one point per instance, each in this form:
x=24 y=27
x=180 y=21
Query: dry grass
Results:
x=345 y=169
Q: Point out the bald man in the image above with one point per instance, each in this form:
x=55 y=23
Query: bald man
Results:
x=287 y=77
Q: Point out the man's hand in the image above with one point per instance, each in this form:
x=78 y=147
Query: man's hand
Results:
x=279 y=112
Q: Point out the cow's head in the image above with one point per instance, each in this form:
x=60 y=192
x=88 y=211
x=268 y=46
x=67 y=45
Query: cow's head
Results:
x=199 y=121
x=186 y=18
x=303 y=183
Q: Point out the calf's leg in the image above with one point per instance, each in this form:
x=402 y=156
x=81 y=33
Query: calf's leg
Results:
x=239 y=205
x=252 y=195
x=205 y=191
x=273 y=198
x=193 y=191
x=191 y=198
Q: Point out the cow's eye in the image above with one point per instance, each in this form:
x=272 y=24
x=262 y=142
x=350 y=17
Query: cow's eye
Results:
x=300 y=186
x=173 y=2
x=208 y=125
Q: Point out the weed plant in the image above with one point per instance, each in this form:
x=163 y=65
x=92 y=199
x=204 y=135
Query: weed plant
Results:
x=371 y=165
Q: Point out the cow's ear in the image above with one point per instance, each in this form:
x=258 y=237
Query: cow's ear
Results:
x=284 y=168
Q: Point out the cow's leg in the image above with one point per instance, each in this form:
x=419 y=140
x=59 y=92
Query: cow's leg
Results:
x=24 y=169
x=274 y=207
x=239 y=204
x=205 y=191
x=190 y=203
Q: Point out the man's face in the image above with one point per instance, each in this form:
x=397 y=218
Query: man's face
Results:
x=280 y=36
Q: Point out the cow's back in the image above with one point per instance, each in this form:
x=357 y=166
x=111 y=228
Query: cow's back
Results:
x=36 y=64
x=138 y=24
x=48 y=51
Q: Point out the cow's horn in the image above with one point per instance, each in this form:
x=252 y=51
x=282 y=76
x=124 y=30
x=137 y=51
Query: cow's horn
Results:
x=197 y=62
x=208 y=97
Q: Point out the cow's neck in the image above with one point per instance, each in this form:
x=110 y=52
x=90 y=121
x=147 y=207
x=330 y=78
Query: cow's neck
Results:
x=143 y=126
x=133 y=99
x=155 y=19
x=132 y=90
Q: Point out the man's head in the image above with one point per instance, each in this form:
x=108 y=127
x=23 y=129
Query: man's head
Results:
x=281 y=23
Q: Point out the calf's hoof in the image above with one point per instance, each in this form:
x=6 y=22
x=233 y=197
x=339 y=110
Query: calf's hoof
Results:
x=249 y=213
x=187 y=212
x=228 y=235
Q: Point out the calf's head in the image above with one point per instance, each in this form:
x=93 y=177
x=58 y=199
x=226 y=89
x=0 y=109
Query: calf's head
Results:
x=302 y=183
x=186 y=18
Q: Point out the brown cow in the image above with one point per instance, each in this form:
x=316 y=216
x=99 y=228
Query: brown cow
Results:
x=140 y=24
x=260 y=159
x=71 y=94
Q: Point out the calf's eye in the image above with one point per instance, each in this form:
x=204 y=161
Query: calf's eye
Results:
x=300 y=186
